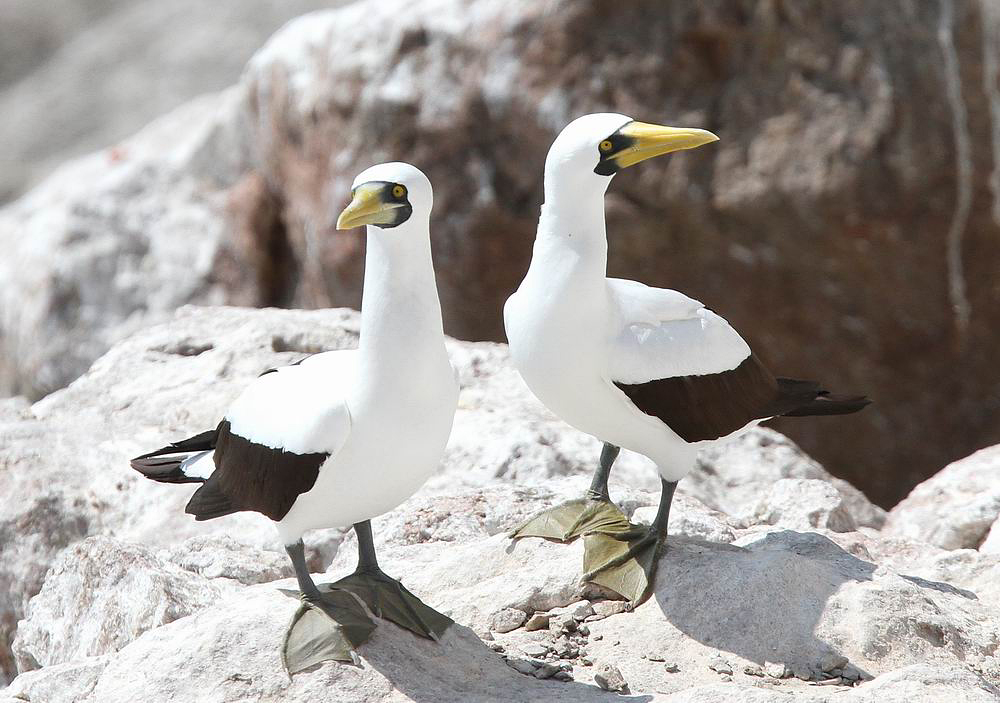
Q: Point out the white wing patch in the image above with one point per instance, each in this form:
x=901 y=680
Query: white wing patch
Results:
x=659 y=333
x=302 y=408
x=640 y=304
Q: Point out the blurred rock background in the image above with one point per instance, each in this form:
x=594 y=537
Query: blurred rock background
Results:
x=848 y=222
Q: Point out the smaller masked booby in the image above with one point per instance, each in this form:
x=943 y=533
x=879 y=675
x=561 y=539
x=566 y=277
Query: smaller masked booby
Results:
x=342 y=436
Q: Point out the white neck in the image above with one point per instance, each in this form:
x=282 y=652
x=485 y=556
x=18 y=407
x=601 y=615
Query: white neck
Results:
x=571 y=229
x=400 y=310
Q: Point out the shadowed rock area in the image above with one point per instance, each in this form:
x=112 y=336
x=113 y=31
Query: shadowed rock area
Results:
x=778 y=585
x=846 y=221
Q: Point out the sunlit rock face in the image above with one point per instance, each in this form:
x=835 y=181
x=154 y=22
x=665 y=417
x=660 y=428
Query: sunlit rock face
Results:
x=846 y=222
x=775 y=572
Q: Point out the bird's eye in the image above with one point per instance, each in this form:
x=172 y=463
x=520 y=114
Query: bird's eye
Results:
x=398 y=191
x=605 y=145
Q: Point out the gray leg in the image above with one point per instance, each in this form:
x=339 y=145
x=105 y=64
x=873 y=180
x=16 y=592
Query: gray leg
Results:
x=667 y=489
x=629 y=567
x=367 y=561
x=599 y=486
x=297 y=553
x=387 y=597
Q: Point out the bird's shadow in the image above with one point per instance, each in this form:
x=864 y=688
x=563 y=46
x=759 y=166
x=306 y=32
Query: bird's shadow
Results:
x=763 y=601
x=460 y=667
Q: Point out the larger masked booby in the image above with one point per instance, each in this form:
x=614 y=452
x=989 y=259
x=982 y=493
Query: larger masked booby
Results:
x=343 y=436
x=648 y=369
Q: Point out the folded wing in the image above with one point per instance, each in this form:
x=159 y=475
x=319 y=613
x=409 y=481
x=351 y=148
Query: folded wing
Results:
x=680 y=362
x=276 y=436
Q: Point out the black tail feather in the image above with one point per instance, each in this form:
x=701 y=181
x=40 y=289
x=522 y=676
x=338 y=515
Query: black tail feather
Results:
x=829 y=404
x=802 y=398
x=209 y=502
x=164 y=464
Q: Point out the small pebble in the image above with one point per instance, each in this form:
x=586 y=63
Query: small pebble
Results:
x=654 y=656
x=563 y=622
x=586 y=661
x=607 y=608
x=776 y=670
x=802 y=672
x=753 y=670
x=830 y=682
x=832 y=661
x=720 y=666
x=495 y=646
x=609 y=678
x=562 y=676
x=851 y=673
x=538 y=621
x=546 y=671
x=522 y=666
x=584 y=630
x=671 y=667
x=507 y=619
x=579 y=610
x=598 y=638
x=535 y=649
x=725 y=677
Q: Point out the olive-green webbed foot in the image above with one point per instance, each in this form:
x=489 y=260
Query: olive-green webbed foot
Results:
x=389 y=599
x=627 y=563
x=626 y=566
x=328 y=626
x=594 y=513
x=575 y=518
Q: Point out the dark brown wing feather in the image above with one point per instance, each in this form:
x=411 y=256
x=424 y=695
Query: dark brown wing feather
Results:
x=715 y=405
x=251 y=476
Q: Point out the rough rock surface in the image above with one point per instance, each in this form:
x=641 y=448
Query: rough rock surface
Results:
x=959 y=507
x=744 y=610
x=133 y=589
x=833 y=126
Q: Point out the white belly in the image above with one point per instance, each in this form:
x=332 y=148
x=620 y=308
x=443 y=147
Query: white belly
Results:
x=562 y=362
x=394 y=447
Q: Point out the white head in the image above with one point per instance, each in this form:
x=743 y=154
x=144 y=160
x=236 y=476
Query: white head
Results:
x=393 y=196
x=591 y=149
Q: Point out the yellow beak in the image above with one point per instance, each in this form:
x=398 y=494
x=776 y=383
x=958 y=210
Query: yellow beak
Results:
x=367 y=208
x=649 y=140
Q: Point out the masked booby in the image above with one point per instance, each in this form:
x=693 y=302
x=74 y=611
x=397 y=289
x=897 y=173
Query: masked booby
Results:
x=648 y=369
x=342 y=436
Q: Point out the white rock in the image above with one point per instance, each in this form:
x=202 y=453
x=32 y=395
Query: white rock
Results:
x=221 y=556
x=71 y=682
x=507 y=619
x=956 y=507
x=608 y=677
x=991 y=545
x=734 y=478
x=186 y=661
x=130 y=588
x=578 y=610
x=804 y=504
x=690 y=517
x=884 y=603
x=925 y=683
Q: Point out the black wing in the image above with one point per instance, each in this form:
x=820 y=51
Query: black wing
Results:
x=711 y=406
x=252 y=476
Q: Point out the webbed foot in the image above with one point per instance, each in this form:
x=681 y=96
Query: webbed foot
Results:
x=627 y=567
x=328 y=625
x=389 y=599
x=582 y=516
